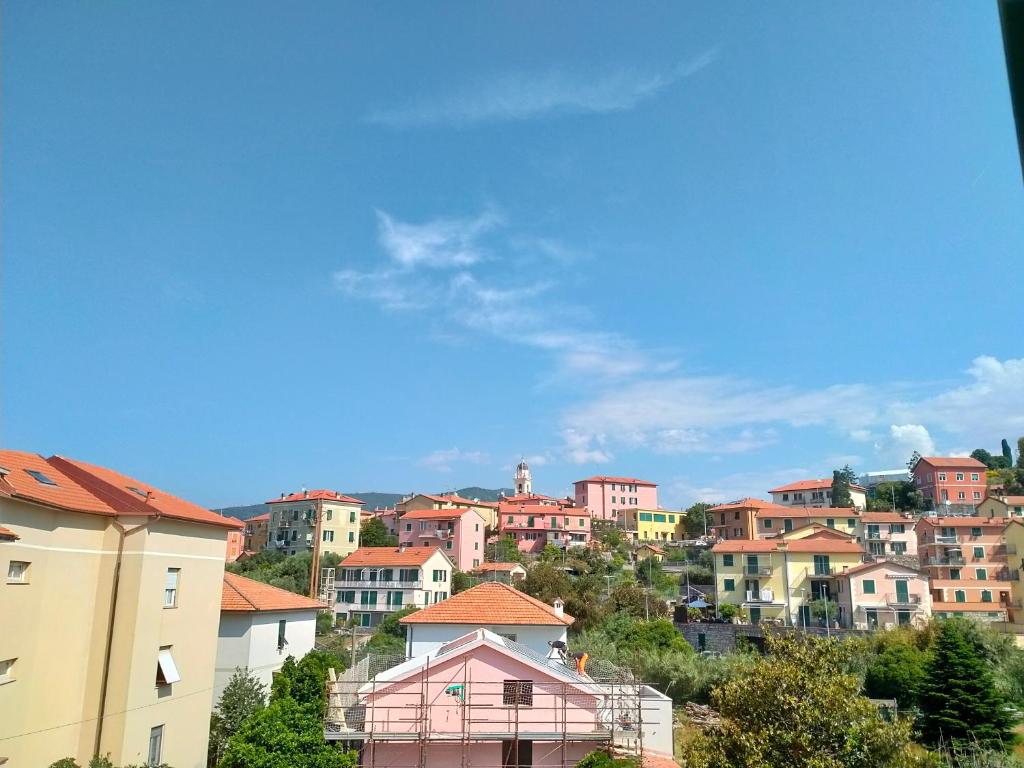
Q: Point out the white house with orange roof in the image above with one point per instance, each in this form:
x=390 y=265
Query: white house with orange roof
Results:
x=459 y=532
x=815 y=493
x=261 y=626
x=116 y=575
x=494 y=606
x=296 y=517
x=375 y=581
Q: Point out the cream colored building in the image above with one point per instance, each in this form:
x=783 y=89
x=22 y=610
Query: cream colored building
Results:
x=110 y=606
x=1002 y=506
x=486 y=509
x=293 y=521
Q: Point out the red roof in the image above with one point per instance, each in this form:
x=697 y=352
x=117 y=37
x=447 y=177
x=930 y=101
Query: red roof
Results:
x=811 y=485
x=606 y=479
x=489 y=603
x=389 y=556
x=454 y=498
x=500 y=567
x=7 y=534
x=264 y=518
x=967 y=607
x=826 y=512
x=886 y=517
x=879 y=564
x=435 y=514
x=134 y=497
x=319 y=494
x=814 y=543
x=242 y=594
x=64 y=493
x=531 y=498
x=958 y=462
x=748 y=503
x=1009 y=499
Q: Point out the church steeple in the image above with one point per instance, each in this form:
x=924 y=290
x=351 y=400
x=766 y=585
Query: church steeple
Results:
x=523 y=482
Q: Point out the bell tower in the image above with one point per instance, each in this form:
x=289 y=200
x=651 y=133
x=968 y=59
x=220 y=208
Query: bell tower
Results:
x=523 y=482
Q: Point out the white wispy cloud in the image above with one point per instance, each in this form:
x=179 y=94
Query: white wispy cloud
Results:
x=528 y=95
x=445 y=459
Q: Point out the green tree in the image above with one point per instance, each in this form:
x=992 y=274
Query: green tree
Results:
x=1007 y=453
x=629 y=600
x=980 y=454
x=373 y=533
x=390 y=624
x=960 y=704
x=325 y=621
x=697 y=520
x=600 y=758
x=798 y=708
x=460 y=582
x=902 y=493
x=1020 y=453
x=582 y=594
x=897 y=673
x=243 y=696
x=284 y=735
x=304 y=682
x=505 y=550
x=550 y=553
x=842 y=479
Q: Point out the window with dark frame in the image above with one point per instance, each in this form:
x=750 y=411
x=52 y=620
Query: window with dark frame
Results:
x=517 y=693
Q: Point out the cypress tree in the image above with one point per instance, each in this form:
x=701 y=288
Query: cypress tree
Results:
x=960 y=706
x=1007 y=453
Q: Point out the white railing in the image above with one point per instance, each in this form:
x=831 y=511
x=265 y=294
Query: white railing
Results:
x=370 y=584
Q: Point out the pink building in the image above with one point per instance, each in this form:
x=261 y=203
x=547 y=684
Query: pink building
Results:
x=888 y=533
x=951 y=484
x=534 y=525
x=605 y=496
x=883 y=593
x=236 y=541
x=459 y=533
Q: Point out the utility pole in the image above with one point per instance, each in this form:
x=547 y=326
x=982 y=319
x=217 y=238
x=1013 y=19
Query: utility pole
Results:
x=314 y=576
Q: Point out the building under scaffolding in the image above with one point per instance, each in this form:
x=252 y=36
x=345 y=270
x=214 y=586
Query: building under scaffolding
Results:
x=485 y=701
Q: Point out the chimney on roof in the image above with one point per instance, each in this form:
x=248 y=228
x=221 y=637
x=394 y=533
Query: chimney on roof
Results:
x=305 y=493
x=401 y=547
x=283 y=494
x=149 y=496
x=559 y=607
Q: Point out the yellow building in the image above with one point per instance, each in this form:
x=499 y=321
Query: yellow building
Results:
x=776 y=579
x=109 y=613
x=641 y=525
x=486 y=509
x=1002 y=506
x=293 y=522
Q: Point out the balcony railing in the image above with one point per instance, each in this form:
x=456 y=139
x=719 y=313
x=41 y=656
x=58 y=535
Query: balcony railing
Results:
x=873 y=536
x=945 y=539
x=380 y=605
x=953 y=560
x=436 y=534
x=757 y=570
x=822 y=570
x=371 y=584
x=909 y=600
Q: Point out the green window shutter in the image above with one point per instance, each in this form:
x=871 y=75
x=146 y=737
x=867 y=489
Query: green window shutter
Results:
x=979 y=551
x=869 y=586
x=727 y=560
x=730 y=585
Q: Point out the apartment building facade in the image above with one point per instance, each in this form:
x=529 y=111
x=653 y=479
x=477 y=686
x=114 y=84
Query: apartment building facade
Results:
x=889 y=534
x=535 y=525
x=257 y=533
x=460 y=533
x=950 y=484
x=815 y=493
x=777 y=579
x=967 y=561
x=293 y=522
x=605 y=496
x=486 y=509
x=374 y=581
x=772 y=520
x=132 y=569
x=641 y=525
x=884 y=594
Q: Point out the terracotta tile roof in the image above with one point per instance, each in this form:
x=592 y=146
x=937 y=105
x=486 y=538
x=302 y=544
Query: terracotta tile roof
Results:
x=454 y=498
x=134 y=497
x=628 y=480
x=242 y=594
x=264 y=518
x=826 y=512
x=500 y=567
x=952 y=461
x=653 y=548
x=823 y=545
x=1008 y=499
x=7 y=534
x=318 y=494
x=747 y=503
x=65 y=494
x=880 y=564
x=389 y=556
x=489 y=603
x=530 y=498
x=886 y=517
x=811 y=485
x=435 y=514
x=965 y=522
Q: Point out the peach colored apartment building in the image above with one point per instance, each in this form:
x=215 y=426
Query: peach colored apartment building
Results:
x=534 y=525
x=950 y=483
x=459 y=533
x=888 y=534
x=772 y=520
x=815 y=493
x=967 y=564
x=605 y=496
x=883 y=594
x=257 y=533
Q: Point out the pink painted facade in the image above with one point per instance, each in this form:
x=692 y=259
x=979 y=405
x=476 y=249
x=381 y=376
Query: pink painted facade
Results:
x=459 y=533
x=605 y=496
x=535 y=525
x=887 y=534
x=883 y=593
x=956 y=484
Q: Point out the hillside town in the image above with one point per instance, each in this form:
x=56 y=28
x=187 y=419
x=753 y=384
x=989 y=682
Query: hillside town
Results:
x=438 y=624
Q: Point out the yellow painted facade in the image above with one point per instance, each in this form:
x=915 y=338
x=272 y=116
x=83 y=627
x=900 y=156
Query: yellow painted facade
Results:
x=642 y=525
x=55 y=614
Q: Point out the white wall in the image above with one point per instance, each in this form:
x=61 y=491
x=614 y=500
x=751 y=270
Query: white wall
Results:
x=424 y=638
x=250 y=640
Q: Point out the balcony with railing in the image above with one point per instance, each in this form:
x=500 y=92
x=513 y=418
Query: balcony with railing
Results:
x=379 y=605
x=954 y=560
x=377 y=584
x=822 y=571
x=940 y=539
x=757 y=570
x=903 y=601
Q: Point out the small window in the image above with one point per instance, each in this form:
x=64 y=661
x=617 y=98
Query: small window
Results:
x=17 y=572
x=869 y=586
x=408 y=526
x=282 y=641
x=156 y=744
x=830 y=522
x=730 y=585
x=975 y=532
x=330 y=513
x=166 y=669
x=981 y=574
x=352 y=516
x=979 y=552
x=768 y=522
x=171 y=588
x=40 y=477
x=7 y=671
x=959 y=477
x=942 y=477
x=351 y=537
x=975 y=477
x=727 y=560
x=517 y=693
x=986 y=596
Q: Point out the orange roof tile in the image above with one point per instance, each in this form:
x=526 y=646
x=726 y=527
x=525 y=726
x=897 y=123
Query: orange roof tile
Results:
x=1009 y=499
x=811 y=485
x=134 y=497
x=880 y=564
x=530 y=498
x=64 y=494
x=435 y=514
x=953 y=461
x=827 y=544
x=322 y=494
x=489 y=603
x=389 y=556
x=7 y=534
x=242 y=594
x=606 y=479
x=826 y=512
x=500 y=567
x=747 y=503
x=964 y=522
x=454 y=498
x=264 y=518
x=886 y=517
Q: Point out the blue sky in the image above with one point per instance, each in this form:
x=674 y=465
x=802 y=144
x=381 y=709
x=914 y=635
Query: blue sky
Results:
x=253 y=246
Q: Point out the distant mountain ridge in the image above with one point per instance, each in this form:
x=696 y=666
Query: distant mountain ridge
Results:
x=371 y=500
